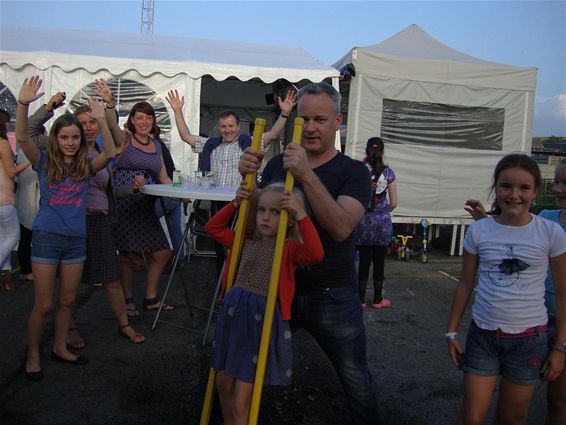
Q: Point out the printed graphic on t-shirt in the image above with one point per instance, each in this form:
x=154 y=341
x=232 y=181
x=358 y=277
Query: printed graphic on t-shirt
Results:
x=381 y=184
x=507 y=272
x=67 y=193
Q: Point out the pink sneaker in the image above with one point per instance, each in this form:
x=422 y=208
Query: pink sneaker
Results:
x=363 y=305
x=384 y=303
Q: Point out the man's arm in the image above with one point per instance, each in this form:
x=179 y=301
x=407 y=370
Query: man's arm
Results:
x=286 y=107
x=338 y=217
x=176 y=102
x=41 y=116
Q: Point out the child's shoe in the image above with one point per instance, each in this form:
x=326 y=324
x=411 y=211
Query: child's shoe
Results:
x=363 y=304
x=383 y=304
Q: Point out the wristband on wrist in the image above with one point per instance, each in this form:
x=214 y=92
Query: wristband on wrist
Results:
x=22 y=103
x=451 y=335
x=110 y=107
x=284 y=116
x=559 y=348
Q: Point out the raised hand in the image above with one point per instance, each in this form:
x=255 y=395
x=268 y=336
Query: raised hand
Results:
x=29 y=90
x=101 y=89
x=475 y=208
x=175 y=100
x=56 y=101
x=96 y=109
x=290 y=101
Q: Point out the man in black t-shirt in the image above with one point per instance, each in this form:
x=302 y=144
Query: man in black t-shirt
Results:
x=337 y=189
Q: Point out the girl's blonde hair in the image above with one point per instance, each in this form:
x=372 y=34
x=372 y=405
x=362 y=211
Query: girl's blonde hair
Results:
x=279 y=188
x=54 y=165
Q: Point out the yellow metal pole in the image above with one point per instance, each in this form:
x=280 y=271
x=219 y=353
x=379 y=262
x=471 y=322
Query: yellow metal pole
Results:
x=244 y=207
x=234 y=260
x=273 y=291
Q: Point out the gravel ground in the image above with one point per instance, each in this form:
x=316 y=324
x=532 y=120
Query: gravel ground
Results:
x=163 y=380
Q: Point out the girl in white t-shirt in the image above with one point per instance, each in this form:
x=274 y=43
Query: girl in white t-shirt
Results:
x=508 y=333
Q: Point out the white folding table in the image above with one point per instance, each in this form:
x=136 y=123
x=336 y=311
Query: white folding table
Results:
x=197 y=195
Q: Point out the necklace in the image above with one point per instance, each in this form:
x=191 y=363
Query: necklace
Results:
x=139 y=141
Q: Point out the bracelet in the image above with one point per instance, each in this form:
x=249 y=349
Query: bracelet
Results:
x=22 y=103
x=559 y=349
x=284 y=116
x=451 y=335
x=110 y=107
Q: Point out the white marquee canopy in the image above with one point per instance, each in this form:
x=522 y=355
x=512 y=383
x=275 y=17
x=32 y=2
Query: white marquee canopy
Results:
x=212 y=75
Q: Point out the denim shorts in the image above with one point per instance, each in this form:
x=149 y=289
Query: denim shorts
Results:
x=53 y=248
x=517 y=359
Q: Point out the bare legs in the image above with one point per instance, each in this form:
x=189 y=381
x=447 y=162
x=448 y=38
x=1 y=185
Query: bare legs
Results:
x=556 y=401
x=44 y=286
x=512 y=406
x=157 y=263
x=235 y=399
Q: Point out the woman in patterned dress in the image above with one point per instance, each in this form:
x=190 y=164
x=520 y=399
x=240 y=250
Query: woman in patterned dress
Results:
x=375 y=230
x=138 y=229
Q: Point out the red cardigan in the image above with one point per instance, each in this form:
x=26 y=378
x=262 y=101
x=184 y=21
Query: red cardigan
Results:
x=295 y=253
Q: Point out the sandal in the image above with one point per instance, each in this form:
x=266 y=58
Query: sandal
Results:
x=74 y=340
x=152 y=304
x=131 y=308
x=136 y=338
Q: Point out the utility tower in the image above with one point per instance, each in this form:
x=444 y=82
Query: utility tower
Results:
x=147 y=17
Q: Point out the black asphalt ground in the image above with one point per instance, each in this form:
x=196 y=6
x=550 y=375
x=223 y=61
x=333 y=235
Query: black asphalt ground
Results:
x=163 y=380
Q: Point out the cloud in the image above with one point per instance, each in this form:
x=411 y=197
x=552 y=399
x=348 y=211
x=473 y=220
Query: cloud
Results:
x=550 y=115
x=561 y=98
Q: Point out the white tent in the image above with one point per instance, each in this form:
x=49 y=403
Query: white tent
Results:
x=212 y=75
x=446 y=118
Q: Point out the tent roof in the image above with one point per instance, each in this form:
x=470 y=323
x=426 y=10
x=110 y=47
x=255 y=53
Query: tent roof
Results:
x=413 y=54
x=148 y=54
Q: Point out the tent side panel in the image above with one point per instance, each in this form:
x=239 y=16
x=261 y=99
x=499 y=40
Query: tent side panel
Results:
x=434 y=181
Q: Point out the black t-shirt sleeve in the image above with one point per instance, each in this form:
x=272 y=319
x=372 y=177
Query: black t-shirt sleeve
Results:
x=358 y=186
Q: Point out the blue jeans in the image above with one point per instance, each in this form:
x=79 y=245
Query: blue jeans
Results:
x=9 y=234
x=333 y=317
x=173 y=212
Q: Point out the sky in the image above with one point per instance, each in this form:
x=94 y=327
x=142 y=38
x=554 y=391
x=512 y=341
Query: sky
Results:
x=520 y=33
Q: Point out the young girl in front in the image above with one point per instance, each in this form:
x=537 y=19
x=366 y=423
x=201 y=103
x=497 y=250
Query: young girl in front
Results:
x=59 y=229
x=240 y=321
x=508 y=333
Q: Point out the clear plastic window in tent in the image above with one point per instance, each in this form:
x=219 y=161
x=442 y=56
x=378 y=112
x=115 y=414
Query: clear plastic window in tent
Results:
x=127 y=93
x=437 y=124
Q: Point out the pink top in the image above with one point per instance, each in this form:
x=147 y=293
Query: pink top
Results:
x=6 y=185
